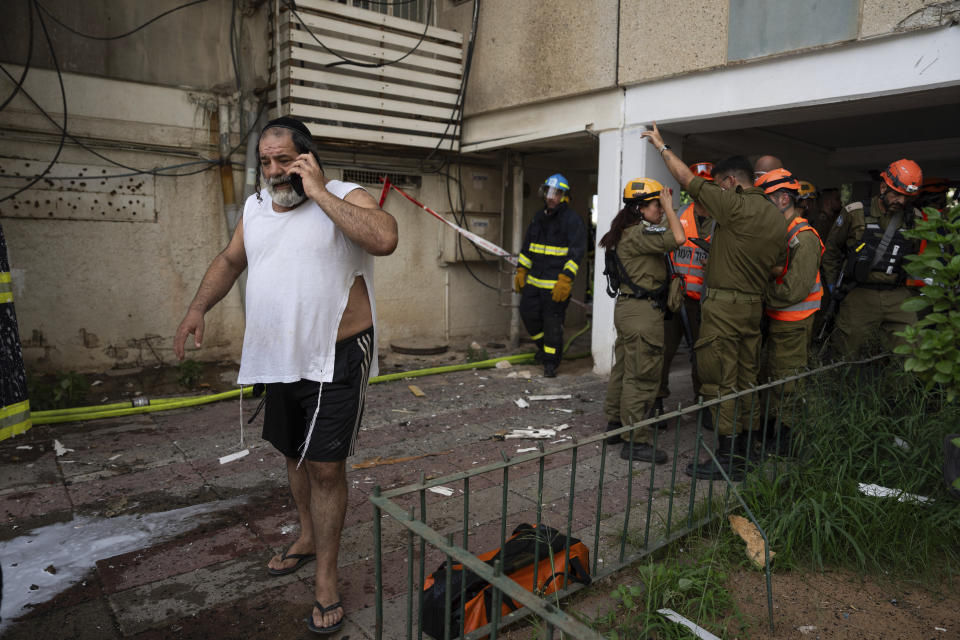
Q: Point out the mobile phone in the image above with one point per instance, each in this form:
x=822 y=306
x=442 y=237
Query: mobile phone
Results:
x=295 y=180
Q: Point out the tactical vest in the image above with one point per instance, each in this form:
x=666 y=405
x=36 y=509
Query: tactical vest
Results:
x=887 y=271
x=688 y=259
x=809 y=305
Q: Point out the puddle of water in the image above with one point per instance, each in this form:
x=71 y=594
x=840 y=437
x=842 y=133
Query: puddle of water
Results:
x=74 y=547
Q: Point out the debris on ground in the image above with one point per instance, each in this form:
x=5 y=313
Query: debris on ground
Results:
x=380 y=461
x=807 y=628
x=503 y=364
x=877 y=491
x=417 y=391
x=534 y=433
x=520 y=402
x=59 y=448
x=520 y=374
x=444 y=491
x=562 y=396
x=697 y=630
x=234 y=456
x=751 y=535
x=527 y=450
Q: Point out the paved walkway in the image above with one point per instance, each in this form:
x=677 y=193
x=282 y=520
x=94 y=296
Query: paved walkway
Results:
x=138 y=531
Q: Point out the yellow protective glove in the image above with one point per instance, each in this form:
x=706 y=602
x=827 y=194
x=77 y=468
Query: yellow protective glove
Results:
x=519 y=279
x=561 y=290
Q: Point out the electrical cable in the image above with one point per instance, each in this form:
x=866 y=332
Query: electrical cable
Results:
x=63 y=96
x=358 y=63
x=26 y=67
x=158 y=171
x=122 y=35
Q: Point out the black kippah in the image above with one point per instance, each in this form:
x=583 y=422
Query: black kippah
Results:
x=286 y=122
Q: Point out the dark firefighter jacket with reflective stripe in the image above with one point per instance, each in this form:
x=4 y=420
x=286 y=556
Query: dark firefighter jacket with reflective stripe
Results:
x=555 y=243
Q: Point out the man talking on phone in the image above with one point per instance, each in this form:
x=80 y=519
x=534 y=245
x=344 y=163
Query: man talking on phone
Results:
x=308 y=243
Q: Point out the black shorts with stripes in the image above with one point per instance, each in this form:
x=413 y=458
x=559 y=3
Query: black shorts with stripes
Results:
x=290 y=407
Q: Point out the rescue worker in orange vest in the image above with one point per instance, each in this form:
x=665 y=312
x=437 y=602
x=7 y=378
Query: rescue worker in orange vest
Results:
x=867 y=246
x=791 y=300
x=553 y=250
x=688 y=262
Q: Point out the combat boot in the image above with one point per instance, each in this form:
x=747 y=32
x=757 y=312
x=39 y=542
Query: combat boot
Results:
x=642 y=452
x=550 y=369
x=707 y=421
x=611 y=426
x=731 y=454
x=774 y=446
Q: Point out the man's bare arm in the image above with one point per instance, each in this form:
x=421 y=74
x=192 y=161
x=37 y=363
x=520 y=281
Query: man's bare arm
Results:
x=362 y=220
x=680 y=172
x=358 y=215
x=216 y=283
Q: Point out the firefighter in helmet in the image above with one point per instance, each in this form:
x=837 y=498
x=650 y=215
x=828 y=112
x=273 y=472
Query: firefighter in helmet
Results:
x=553 y=250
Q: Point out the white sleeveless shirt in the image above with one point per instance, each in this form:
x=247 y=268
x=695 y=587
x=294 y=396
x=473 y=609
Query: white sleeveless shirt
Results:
x=300 y=267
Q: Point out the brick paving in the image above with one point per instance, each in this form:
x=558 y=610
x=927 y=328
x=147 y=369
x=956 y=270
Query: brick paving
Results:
x=208 y=578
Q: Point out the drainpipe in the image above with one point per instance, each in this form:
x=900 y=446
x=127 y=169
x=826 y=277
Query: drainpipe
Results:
x=516 y=244
x=252 y=162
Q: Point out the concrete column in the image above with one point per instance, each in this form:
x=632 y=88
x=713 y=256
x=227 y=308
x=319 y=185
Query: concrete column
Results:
x=624 y=155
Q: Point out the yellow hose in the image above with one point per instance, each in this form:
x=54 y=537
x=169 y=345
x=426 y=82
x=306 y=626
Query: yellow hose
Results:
x=119 y=409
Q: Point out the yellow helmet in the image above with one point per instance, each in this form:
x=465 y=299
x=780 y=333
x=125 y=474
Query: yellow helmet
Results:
x=807 y=190
x=640 y=190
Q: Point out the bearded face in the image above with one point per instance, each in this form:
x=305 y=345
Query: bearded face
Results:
x=281 y=191
x=893 y=202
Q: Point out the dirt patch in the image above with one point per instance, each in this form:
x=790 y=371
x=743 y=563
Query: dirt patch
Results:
x=831 y=605
x=841 y=604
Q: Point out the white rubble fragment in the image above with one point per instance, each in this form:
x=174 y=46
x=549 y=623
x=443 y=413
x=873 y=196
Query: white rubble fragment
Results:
x=877 y=491
x=940 y=629
x=561 y=396
x=807 y=628
x=234 y=456
x=520 y=402
x=559 y=409
x=697 y=630
x=527 y=450
x=59 y=448
x=900 y=442
x=524 y=374
x=96 y=383
x=287 y=528
x=25 y=447
x=504 y=364
x=112 y=458
x=444 y=491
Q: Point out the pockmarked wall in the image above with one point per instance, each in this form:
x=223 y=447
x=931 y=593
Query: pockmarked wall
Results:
x=105 y=260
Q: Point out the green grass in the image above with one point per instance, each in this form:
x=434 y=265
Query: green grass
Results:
x=872 y=426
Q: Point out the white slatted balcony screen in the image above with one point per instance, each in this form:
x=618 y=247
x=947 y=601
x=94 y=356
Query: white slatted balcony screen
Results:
x=410 y=103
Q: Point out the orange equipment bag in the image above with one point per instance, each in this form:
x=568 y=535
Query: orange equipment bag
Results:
x=553 y=573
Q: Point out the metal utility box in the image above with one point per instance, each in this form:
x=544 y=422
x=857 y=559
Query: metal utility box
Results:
x=486 y=225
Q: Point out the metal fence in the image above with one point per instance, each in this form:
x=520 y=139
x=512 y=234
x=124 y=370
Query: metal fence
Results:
x=573 y=488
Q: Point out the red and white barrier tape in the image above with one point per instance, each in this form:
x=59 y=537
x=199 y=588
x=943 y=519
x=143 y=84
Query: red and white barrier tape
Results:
x=483 y=243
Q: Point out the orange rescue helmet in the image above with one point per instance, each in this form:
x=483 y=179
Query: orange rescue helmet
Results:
x=777 y=179
x=702 y=170
x=903 y=176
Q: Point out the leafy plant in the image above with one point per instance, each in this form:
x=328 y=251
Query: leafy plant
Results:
x=189 y=373
x=477 y=355
x=59 y=391
x=933 y=344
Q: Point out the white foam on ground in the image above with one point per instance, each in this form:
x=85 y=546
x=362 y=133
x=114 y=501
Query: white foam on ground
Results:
x=73 y=548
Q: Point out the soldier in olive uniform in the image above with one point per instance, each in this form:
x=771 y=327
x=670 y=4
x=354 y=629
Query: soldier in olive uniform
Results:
x=639 y=237
x=749 y=241
x=792 y=299
x=868 y=245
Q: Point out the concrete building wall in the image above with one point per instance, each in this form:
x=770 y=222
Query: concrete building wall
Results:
x=530 y=52
x=99 y=293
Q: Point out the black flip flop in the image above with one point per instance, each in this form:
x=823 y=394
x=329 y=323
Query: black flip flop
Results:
x=951 y=463
x=336 y=626
x=301 y=558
